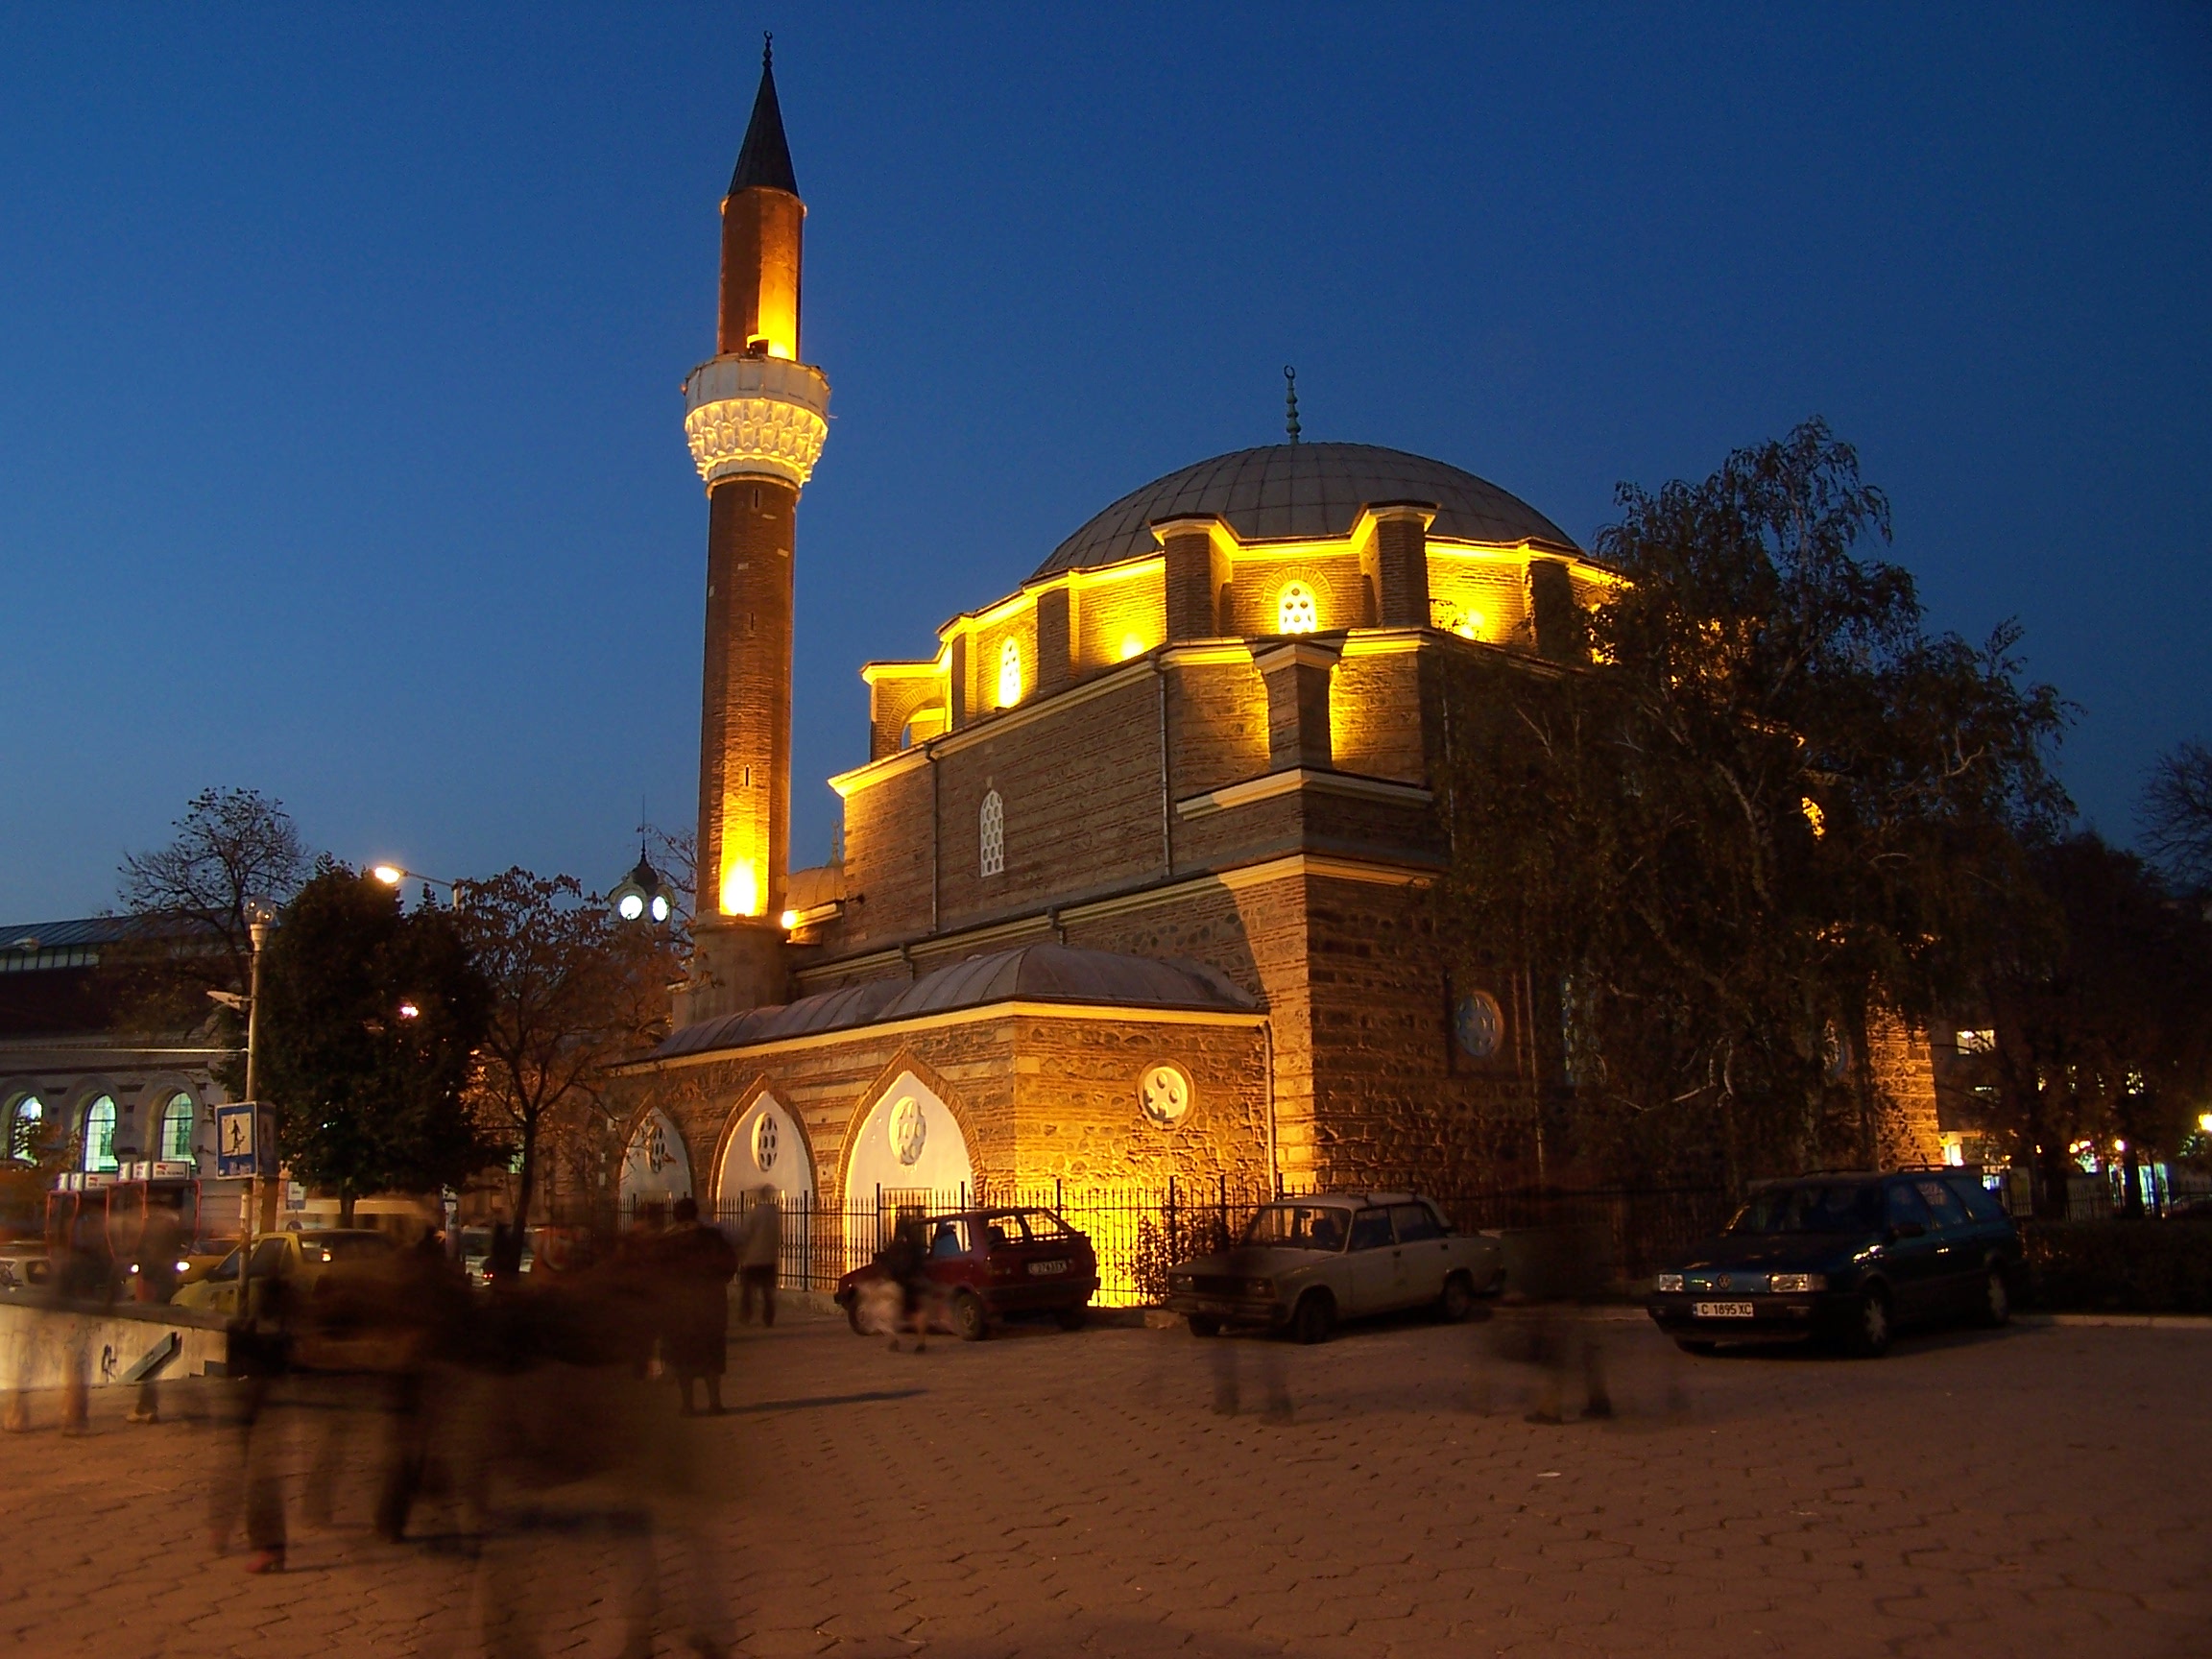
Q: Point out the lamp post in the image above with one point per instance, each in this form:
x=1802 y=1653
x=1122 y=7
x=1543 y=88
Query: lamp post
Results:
x=392 y=875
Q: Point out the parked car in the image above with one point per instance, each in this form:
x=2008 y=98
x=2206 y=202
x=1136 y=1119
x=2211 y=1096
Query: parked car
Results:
x=1306 y=1264
x=1848 y=1258
x=304 y=1257
x=24 y=1266
x=984 y=1265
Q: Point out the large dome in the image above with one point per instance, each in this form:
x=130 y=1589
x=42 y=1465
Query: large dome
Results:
x=1290 y=491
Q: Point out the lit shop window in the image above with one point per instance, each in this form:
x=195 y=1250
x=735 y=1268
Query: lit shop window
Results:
x=100 y=1133
x=176 y=1127
x=992 y=825
x=1294 y=610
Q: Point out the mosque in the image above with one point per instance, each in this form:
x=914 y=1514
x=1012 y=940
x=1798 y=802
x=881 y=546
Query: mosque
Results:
x=1133 y=878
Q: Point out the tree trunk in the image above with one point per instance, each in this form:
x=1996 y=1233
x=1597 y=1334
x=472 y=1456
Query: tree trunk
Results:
x=526 y=1178
x=345 y=1201
x=2131 y=1168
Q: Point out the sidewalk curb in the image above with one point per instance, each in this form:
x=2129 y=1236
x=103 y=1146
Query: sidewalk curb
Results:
x=2120 y=1321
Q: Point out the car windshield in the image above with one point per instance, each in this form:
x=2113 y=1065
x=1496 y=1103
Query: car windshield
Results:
x=1298 y=1227
x=1814 y=1207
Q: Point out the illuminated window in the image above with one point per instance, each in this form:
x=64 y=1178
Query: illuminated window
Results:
x=992 y=825
x=1009 y=674
x=25 y=1126
x=1294 y=610
x=1977 y=1042
x=176 y=1127
x=100 y=1133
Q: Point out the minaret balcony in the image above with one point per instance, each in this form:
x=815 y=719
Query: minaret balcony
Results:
x=756 y=416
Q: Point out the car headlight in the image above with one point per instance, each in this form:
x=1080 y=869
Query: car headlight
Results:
x=1259 y=1287
x=1798 y=1282
x=1667 y=1282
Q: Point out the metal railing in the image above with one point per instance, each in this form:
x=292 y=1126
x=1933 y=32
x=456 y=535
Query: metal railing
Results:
x=1138 y=1231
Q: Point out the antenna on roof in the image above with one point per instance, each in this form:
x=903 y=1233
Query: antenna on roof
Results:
x=1290 y=401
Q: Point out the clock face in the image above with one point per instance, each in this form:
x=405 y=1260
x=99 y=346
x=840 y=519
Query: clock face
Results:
x=1165 y=1094
x=660 y=908
x=631 y=906
x=1477 y=1024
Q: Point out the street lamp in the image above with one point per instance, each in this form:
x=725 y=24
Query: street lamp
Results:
x=639 y=894
x=392 y=875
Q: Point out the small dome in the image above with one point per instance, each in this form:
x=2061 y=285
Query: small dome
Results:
x=1287 y=490
x=1024 y=974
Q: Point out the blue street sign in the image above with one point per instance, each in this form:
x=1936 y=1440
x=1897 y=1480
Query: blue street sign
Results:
x=235 y=1140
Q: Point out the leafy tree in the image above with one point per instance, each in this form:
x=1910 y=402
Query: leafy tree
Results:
x=236 y=855
x=571 y=992
x=2104 y=1028
x=2177 y=814
x=1752 y=815
x=371 y=1018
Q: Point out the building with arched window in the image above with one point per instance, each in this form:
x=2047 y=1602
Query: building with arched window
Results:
x=81 y=1086
x=1134 y=874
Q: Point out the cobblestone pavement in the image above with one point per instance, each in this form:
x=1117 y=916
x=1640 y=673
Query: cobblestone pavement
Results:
x=2016 y=1493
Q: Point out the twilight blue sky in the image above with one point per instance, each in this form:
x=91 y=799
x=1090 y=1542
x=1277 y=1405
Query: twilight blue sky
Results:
x=340 y=444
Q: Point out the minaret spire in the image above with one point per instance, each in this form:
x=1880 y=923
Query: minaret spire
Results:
x=765 y=159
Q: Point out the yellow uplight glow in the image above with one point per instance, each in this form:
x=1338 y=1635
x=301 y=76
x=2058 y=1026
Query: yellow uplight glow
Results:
x=788 y=920
x=2204 y=1122
x=1130 y=646
x=740 y=891
x=1009 y=674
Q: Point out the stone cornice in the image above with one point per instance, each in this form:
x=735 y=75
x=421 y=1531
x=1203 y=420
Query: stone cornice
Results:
x=1296 y=779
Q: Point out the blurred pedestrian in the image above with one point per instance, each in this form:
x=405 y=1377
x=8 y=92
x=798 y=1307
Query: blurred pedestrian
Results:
x=1565 y=1269
x=760 y=1257
x=155 y=1280
x=905 y=1262
x=696 y=1266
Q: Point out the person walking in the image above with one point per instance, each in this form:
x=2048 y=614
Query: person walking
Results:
x=760 y=1257
x=696 y=1266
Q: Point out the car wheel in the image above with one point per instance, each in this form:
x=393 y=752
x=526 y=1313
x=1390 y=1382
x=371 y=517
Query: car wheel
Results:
x=969 y=1321
x=1692 y=1345
x=1314 y=1318
x=1870 y=1323
x=1072 y=1318
x=1457 y=1300
x=1204 y=1325
x=1996 y=1308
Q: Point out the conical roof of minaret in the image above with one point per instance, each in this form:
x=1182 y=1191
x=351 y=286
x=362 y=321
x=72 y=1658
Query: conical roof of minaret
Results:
x=764 y=160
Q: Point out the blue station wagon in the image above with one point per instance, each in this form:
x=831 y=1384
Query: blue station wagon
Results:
x=1847 y=1257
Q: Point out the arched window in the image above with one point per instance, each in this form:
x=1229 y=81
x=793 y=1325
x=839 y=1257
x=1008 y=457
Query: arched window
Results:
x=25 y=1127
x=1009 y=674
x=176 y=1140
x=992 y=825
x=1294 y=612
x=100 y=1135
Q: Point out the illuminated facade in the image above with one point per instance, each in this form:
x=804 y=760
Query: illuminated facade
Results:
x=1132 y=879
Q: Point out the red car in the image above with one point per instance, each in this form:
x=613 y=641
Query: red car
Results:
x=980 y=1265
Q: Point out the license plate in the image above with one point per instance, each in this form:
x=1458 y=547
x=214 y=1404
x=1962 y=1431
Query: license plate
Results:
x=1721 y=1309
x=1041 y=1268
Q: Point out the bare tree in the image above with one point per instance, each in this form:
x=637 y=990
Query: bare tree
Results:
x=236 y=854
x=572 y=993
x=2177 y=814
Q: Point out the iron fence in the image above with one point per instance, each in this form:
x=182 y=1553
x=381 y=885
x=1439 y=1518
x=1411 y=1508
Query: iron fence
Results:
x=1138 y=1231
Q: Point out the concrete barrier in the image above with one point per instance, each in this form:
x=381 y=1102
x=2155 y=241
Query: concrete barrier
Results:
x=42 y=1344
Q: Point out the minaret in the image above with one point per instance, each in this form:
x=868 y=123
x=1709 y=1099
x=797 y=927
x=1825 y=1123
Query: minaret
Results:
x=756 y=418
